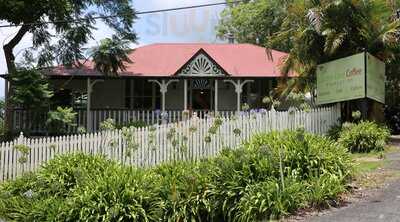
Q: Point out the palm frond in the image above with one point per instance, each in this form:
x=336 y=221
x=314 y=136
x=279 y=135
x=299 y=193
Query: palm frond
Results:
x=333 y=42
x=315 y=17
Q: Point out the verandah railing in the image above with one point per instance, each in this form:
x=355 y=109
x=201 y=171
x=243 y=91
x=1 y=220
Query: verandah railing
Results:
x=192 y=139
x=32 y=122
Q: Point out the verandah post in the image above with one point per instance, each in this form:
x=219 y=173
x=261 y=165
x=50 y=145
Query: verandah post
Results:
x=88 y=116
x=216 y=96
x=185 y=95
x=89 y=89
x=238 y=89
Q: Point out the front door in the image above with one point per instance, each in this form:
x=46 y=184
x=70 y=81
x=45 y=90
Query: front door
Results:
x=201 y=94
x=201 y=99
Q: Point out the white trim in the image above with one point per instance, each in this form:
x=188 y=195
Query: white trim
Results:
x=163 y=89
x=201 y=66
x=238 y=89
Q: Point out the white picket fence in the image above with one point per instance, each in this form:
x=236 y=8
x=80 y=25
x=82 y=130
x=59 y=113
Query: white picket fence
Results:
x=192 y=139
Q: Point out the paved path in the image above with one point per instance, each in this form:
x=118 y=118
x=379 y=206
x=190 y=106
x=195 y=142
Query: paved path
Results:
x=384 y=205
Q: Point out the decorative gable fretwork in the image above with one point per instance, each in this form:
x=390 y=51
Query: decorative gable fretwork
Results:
x=201 y=65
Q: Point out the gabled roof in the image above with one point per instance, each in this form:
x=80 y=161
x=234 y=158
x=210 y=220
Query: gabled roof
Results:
x=165 y=60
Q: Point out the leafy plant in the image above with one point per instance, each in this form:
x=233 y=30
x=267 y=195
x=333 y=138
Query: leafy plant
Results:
x=272 y=175
x=111 y=55
x=363 y=137
x=334 y=132
x=61 y=119
x=321 y=31
x=110 y=124
x=30 y=89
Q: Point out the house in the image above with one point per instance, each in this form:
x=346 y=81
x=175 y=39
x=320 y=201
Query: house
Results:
x=167 y=77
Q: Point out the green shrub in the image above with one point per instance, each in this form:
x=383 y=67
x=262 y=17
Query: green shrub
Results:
x=268 y=200
x=110 y=124
x=61 y=119
x=184 y=191
x=303 y=155
x=334 y=132
x=272 y=175
x=122 y=193
x=364 y=137
x=324 y=189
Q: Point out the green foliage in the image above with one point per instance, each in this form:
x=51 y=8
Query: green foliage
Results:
x=253 y=22
x=272 y=175
x=356 y=115
x=364 y=137
x=268 y=198
x=110 y=55
x=304 y=155
x=71 y=36
x=24 y=151
x=334 y=132
x=30 y=89
x=60 y=119
x=321 y=31
x=109 y=124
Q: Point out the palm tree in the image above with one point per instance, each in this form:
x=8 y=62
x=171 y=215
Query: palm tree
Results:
x=324 y=30
x=111 y=56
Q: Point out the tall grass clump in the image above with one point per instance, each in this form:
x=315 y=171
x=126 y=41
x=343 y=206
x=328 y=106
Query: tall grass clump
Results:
x=270 y=176
x=364 y=137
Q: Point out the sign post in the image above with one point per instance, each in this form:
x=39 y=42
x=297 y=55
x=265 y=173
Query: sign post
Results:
x=359 y=76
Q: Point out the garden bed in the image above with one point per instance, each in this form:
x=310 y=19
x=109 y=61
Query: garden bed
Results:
x=272 y=175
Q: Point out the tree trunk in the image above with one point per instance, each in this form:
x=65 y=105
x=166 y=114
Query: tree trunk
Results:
x=10 y=60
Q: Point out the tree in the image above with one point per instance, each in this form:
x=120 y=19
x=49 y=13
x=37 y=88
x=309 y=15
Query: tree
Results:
x=111 y=55
x=325 y=30
x=31 y=89
x=253 y=22
x=71 y=36
x=46 y=21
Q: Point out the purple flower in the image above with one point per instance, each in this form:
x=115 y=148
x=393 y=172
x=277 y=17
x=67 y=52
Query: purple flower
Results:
x=263 y=111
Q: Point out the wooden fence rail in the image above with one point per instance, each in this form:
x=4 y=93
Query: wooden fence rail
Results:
x=192 y=139
x=33 y=122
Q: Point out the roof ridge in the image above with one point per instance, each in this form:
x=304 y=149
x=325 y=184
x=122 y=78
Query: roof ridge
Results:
x=196 y=43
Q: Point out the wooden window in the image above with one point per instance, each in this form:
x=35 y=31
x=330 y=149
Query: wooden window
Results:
x=141 y=95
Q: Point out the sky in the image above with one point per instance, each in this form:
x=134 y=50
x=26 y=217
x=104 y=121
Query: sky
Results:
x=191 y=25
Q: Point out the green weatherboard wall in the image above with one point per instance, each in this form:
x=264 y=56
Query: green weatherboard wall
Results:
x=345 y=79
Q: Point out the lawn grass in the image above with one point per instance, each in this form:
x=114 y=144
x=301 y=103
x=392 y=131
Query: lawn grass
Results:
x=370 y=168
x=367 y=162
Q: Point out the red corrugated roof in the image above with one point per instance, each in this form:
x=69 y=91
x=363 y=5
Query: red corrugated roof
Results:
x=164 y=60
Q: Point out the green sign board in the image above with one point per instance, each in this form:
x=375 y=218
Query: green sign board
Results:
x=351 y=78
x=375 y=79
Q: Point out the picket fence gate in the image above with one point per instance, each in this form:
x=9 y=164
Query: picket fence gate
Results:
x=191 y=139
